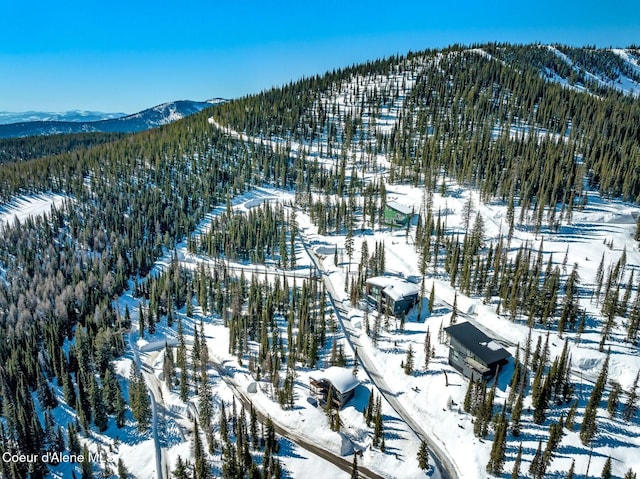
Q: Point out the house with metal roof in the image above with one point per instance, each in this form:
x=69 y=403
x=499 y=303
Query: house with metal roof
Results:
x=391 y=294
x=397 y=214
x=340 y=381
x=473 y=353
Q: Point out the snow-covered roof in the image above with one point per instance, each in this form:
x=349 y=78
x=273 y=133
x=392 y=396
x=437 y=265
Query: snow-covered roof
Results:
x=394 y=287
x=342 y=379
x=399 y=207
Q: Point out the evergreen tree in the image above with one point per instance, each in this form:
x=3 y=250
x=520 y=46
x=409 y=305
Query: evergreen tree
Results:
x=139 y=398
x=498 y=448
x=571 y=416
x=378 y=428
x=123 y=473
x=181 y=470
x=181 y=362
x=454 y=310
x=141 y=320
x=537 y=467
x=408 y=363
x=569 y=313
x=98 y=408
x=354 y=467
x=516 y=414
x=369 y=411
x=119 y=408
x=542 y=402
x=432 y=297
x=427 y=349
x=606 y=470
x=599 y=278
x=555 y=436
x=423 y=456
x=168 y=368
x=631 y=406
x=614 y=398
x=201 y=470
x=515 y=473
x=68 y=390
x=355 y=363
x=86 y=465
x=224 y=433
x=589 y=427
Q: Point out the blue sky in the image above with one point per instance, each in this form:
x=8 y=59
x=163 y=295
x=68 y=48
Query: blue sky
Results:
x=129 y=55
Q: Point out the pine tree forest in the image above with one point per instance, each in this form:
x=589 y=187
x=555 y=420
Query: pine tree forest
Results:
x=184 y=255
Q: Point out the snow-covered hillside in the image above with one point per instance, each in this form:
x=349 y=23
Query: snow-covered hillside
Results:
x=241 y=307
x=626 y=79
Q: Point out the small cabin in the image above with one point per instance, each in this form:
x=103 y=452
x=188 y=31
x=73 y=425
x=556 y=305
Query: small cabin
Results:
x=473 y=353
x=397 y=214
x=341 y=382
x=391 y=294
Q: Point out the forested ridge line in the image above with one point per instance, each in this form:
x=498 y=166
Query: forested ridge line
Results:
x=471 y=114
x=29 y=148
x=127 y=200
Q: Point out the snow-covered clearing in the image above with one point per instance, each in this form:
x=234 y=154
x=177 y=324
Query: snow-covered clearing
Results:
x=431 y=397
x=623 y=83
x=24 y=207
x=305 y=419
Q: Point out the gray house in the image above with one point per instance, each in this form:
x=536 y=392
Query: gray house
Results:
x=391 y=294
x=473 y=353
x=340 y=381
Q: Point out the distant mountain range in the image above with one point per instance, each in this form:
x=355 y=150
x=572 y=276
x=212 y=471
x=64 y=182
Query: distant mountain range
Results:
x=18 y=125
x=7 y=117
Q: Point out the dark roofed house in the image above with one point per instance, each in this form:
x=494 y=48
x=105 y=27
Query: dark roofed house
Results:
x=473 y=353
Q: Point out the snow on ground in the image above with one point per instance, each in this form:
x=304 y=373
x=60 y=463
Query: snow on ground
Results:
x=434 y=396
x=23 y=207
x=583 y=242
x=305 y=419
x=622 y=83
x=603 y=229
x=137 y=449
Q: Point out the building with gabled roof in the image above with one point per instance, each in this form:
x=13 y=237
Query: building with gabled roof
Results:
x=391 y=294
x=473 y=353
x=341 y=381
x=397 y=214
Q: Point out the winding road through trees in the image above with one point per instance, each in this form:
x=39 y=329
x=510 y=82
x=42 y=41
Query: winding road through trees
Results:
x=442 y=457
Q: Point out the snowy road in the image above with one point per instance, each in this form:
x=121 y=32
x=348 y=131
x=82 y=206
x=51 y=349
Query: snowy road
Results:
x=442 y=457
x=151 y=381
x=335 y=459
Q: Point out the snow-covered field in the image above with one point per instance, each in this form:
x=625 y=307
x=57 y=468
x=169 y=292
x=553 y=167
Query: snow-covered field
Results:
x=23 y=207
